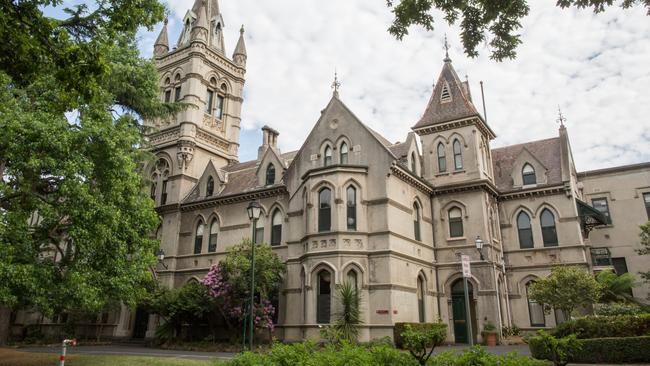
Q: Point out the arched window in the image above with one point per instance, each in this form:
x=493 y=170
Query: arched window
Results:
x=344 y=153
x=198 y=238
x=209 y=187
x=351 y=208
x=276 y=227
x=327 y=160
x=525 y=230
x=416 y=221
x=163 y=194
x=528 y=175
x=413 y=163
x=352 y=278
x=324 y=210
x=209 y=100
x=458 y=156
x=270 y=174
x=324 y=294
x=259 y=230
x=549 y=234
x=159 y=174
x=442 y=158
x=535 y=310
x=154 y=186
x=420 y=295
x=214 y=233
x=455 y=222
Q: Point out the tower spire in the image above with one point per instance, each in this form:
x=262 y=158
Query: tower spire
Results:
x=200 y=30
x=239 y=56
x=161 y=47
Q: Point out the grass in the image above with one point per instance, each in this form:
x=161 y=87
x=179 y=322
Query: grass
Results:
x=10 y=357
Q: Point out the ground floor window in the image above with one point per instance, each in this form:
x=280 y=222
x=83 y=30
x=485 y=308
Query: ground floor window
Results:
x=323 y=300
x=535 y=310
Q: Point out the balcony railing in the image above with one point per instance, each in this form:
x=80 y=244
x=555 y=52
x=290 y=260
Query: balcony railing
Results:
x=601 y=257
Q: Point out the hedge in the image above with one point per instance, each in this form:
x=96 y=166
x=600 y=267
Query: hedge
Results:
x=599 y=350
x=401 y=327
x=605 y=326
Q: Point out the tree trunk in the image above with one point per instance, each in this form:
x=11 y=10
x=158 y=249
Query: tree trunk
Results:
x=5 y=324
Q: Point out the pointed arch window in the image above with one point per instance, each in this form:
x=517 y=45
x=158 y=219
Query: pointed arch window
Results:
x=344 y=153
x=352 y=278
x=535 y=310
x=209 y=101
x=327 y=159
x=549 y=233
x=455 y=222
x=154 y=186
x=218 y=108
x=528 y=175
x=324 y=210
x=525 y=231
x=159 y=174
x=351 y=207
x=270 y=174
x=276 y=227
x=416 y=221
x=209 y=187
x=163 y=194
x=420 y=294
x=198 y=238
x=259 y=230
x=324 y=297
x=214 y=234
x=442 y=158
x=458 y=156
x=413 y=163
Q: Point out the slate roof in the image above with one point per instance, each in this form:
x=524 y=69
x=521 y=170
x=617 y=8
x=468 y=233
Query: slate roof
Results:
x=547 y=151
x=400 y=149
x=459 y=107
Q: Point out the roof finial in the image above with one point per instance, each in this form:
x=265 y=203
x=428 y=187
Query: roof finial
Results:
x=241 y=30
x=447 y=59
x=560 y=117
x=166 y=20
x=336 y=84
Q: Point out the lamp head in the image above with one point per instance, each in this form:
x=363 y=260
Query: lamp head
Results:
x=254 y=210
x=160 y=254
x=478 y=242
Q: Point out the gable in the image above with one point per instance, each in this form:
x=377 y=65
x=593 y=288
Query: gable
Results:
x=199 y=191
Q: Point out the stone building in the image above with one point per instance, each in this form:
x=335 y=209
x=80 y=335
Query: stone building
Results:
x=391 y=217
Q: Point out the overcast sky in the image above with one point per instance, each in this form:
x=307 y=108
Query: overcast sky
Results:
x=595 y=67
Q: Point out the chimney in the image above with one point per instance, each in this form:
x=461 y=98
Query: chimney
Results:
x=269 y=140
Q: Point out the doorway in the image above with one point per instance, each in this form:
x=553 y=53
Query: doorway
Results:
x=140 y=324
x=459 y=312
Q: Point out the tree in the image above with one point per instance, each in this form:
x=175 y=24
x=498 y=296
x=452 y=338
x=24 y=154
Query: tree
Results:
x=228 y=282
x=645 y=247
x=349 y=317
x=565 y=289
x=615 y=288
x=422 y=341
x=75 y=219
x=480 y=20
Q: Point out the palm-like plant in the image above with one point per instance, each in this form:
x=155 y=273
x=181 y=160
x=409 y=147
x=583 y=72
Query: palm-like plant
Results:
x=349 y=317
x=615 y=288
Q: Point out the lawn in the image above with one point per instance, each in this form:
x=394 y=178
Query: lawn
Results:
x=9 y=357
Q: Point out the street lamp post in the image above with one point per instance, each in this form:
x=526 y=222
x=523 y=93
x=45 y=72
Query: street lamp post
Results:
x=254 y=210
x=479 y=246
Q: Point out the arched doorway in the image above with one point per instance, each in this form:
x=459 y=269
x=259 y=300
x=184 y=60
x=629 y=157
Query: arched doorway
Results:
x=459 y=312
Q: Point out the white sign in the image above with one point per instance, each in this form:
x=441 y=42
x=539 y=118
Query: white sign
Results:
x=464 y=259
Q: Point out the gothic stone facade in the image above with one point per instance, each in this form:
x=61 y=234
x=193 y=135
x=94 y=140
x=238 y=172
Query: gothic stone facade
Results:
x=393 y=218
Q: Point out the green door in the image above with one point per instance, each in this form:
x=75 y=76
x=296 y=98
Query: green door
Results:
x=460 y=321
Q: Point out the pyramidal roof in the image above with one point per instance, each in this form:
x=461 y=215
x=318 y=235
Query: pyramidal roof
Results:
x=449 y=100
x=162 y=39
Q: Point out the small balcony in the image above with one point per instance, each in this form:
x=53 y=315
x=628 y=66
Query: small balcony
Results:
x=601 y=258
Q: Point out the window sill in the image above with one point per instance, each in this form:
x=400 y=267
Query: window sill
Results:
x=442 y=174
x=458 y=171
x=457 y=239
x=608 y=226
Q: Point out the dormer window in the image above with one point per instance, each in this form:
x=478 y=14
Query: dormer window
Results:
x=445 y=95
x=327 y=159
x=270 y=175
x=209 y=187
x=528 y=175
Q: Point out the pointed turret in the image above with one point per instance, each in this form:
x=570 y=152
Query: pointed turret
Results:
x=239 y=56
x=161 y=47
x=200 y=29
x=449 y=101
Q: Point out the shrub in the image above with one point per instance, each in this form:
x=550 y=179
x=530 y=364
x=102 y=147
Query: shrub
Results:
x=605 y=326
x=513 y=331
x=618 y=308
x=401 y=327
x=421 y=342
x=558 y=350
x=477 y=355
x=600 y=350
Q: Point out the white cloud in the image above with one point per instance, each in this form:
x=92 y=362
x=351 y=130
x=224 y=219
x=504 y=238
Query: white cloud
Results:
x=595 y=66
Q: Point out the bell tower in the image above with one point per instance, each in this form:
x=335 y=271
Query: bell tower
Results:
x=197 y=71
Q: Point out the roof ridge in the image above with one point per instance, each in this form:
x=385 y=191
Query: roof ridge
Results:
x=526 y=143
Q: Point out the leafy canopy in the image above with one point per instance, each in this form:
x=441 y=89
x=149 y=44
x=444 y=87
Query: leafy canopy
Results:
x=566 y=289
x=615 y=288
x=497 y=22
x=75 y=221
x=422 y=341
